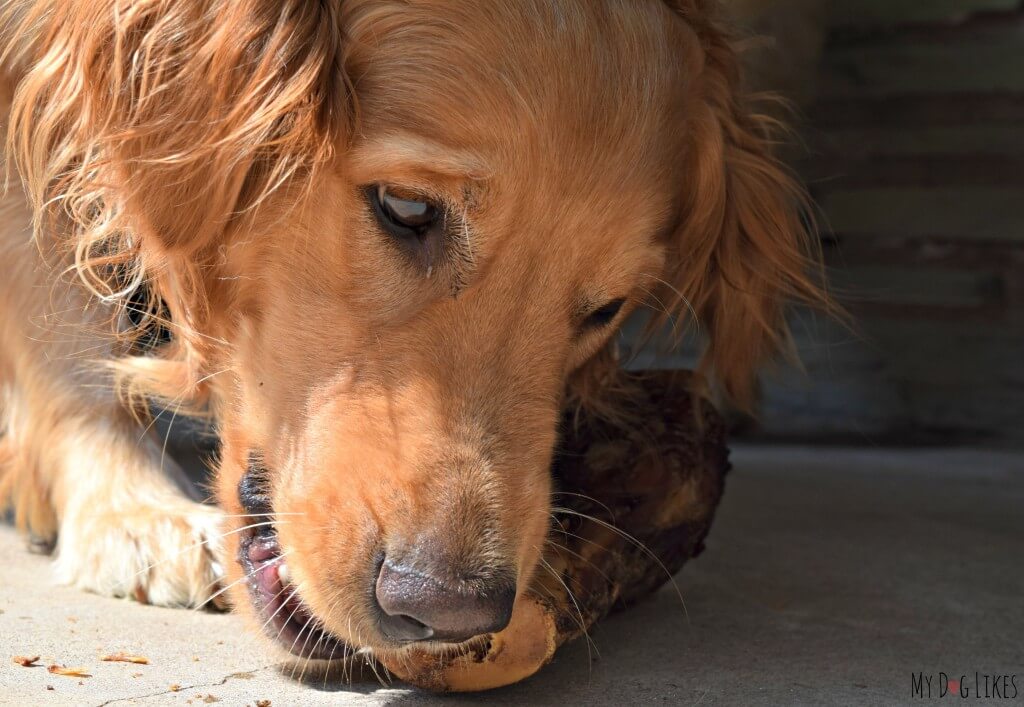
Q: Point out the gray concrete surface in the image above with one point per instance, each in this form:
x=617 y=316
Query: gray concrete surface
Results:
x=830 y=577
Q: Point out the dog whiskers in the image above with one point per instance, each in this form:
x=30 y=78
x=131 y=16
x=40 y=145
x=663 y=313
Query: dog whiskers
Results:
x=269 y=514
x=298 y=605
x=373 y=665
x=639 y=545
x=603 y=548
x=323 y=636
x=563 y=548
x=311 y=625
x=193 y=546
x=244 y=577
x=662 y=307
x=281 y=591
x=178 y=399
x=585 y=497
x=277 y=639
x=680 y=295
x=583 y=623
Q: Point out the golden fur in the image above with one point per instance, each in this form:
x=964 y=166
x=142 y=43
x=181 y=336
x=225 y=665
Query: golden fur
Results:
x=215 y=150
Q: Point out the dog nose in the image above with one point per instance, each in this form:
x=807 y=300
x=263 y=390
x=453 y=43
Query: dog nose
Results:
x=418 y=607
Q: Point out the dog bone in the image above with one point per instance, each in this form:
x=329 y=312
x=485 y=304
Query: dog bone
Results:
x=638 y=495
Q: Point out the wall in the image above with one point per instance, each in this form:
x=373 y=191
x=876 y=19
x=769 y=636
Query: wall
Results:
x=915 y=151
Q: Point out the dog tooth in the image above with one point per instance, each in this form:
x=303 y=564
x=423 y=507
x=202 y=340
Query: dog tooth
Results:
x=282 y=573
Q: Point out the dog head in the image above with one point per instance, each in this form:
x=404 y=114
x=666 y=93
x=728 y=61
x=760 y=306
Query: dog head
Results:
x=389 y=235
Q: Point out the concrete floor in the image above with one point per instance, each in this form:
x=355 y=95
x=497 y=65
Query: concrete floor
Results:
x=831 y=577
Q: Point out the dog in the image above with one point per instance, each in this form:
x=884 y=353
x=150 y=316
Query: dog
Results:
x=380 y=244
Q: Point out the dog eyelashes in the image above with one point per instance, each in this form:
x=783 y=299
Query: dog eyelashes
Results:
x=405 y=217
x=603 y=315
x=415 y=223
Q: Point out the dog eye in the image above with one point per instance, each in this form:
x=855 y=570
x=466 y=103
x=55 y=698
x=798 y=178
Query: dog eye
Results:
x=603 y=315
x=403 y=217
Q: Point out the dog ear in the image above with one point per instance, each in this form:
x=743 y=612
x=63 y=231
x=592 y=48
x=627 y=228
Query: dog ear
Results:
x=170 y=119
x=144 y=129
x=745 y=245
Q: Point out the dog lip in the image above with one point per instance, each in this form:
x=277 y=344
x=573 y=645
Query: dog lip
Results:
x=253 y=491
x=263 y=548
x=285 y=617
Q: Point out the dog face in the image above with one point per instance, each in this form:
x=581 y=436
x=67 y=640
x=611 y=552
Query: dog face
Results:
x=476 y=242
x=389 y=235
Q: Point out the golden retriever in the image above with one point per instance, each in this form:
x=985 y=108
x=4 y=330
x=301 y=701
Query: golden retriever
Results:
x=390 y=239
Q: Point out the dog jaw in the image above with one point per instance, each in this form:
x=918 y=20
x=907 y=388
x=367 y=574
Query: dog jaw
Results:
x=408 y=411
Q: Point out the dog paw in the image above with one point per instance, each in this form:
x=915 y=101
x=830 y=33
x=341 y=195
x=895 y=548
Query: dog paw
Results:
x=165 y=554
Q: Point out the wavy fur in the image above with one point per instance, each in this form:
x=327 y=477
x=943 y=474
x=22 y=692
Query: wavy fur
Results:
x=208 y=163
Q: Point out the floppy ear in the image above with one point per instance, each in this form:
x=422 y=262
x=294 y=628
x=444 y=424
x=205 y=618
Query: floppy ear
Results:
x=168 y=119
x=745 y=247
x=144 y=129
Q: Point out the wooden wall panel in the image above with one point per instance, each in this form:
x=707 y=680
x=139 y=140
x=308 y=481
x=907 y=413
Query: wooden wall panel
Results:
x=915 y=153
